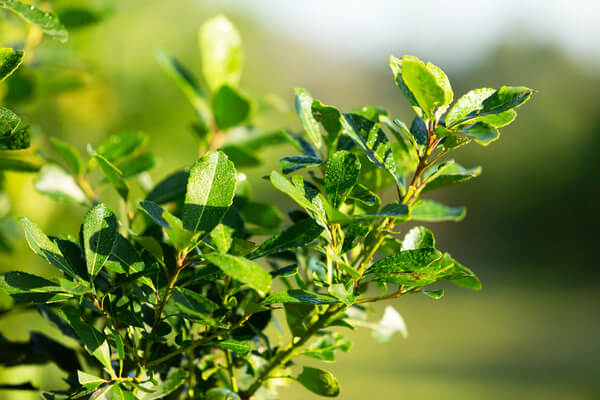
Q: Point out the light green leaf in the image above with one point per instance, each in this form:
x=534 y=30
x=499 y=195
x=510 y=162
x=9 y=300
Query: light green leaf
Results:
x=243 y=270
x=431 y=211
x=447 y=174
x=47 y=21
x=230 y=107
x=99 y=234
x=210 y=191
x=221 y=52
x=418 y=237
x=345 y=294
x=304 y=103
x=10 y=59
x=434 y=294
x=56 y=183
x=341 y=174
x=221 y=394
x=300 y=234
x=175 y=379
x=237 y=346
x=319 y=381
x=90 y=382
x=299 y=296
x=14 y=133
x=296 y=191
x=467 y=105
x=136 y=165
x=323 y=349
x=70 y=154
x=482 y=133
x=118 y=393
x=180 y=238
x=28 y=288
x=121 y=145
x=113 y=175
x=221 y=236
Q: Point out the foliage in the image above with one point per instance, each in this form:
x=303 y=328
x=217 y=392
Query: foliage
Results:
x=170 y=295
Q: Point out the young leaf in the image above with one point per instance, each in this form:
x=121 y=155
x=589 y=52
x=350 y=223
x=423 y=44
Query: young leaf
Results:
x=343 y=293
x=304 y=103
x=243 y=270
x=447 y=174
x=299 y=296
x=69 y=154
x=99 y=234
x=10 y=59
x=221 y=52
x=210 y=191
x=418 y=237
x=56 y=183
x=44 y=247
x=47 y=21
x=300 y=234
x=341 y=174
x=90 y=382
x=113 y=175
x=229 y=107
x=431 y=211
x=319 y=381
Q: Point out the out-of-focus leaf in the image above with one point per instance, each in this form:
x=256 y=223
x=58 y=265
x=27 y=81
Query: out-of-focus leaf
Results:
x=344 y=293
x=229 y=107
x=10 y=59
x=175 y=379
x=69 y=154
x=221 y=52
x=262 y=214
x=121 y=145
x=13 y=164
x=113 y=175
x=323 y=349
x=14 y=133
x=136 y=165
x=169 y=189
x=90 y=382
x=390 y=323
x=221 y=394
x=56 y=183
x=45 y=20
x=237 y=346
x=319 y=381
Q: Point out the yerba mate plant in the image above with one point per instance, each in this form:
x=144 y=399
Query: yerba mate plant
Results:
x=171 y=297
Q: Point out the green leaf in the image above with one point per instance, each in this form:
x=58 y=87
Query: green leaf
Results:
x=10 y=59
x=90 y=382
x=289 y=270
x=210 y=191
x=293 y=163
x=237 y=346
x=44 y=247
x=330 y=118
x=341 y=174
x=241 y=156
x=300 y=234
x=194 y=304
x=365 y=196
x=392 y=210
x=296 y=191
x=418 y=237
x=505 y=98
x=56 y=183
x=243 y=270
x=467 y=106
x=28 y=288
x=373 y=142
x=221 y=236
x=463 y=276
x=124 y=259
x=229 y=107
x=47 y=21
x=99 y=234
x=319 y=381
x=304 y=103
x=121 y=145
x=174 y=380
x=186 y=82
x=299 y=296
x=13 y=164
x=482 y=133
x=396 y=67
x=118 y=393
x=323 y=349
x=404 y=262
x=113 y=175
x=221 y=394
x=180 y=238
x=14 y=133
x=431 y=211
x=94 y=342
x=136 y=165
x=434 y=294
x=171 y=188
x=418 y=130
x=69 y=154
x=345 y=294
x=262 y=214
x=447 y=174
x=221 y=52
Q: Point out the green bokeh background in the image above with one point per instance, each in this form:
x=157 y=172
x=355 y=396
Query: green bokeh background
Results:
x=531 y=233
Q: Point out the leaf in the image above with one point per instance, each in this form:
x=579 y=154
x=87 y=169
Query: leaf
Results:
x=56 y=183
x=431 y=211
x=418 y=237
x=482 y=133
x=28 y=288
x=14 y=133
x=193 y=303
x=467 y=105
x=418 y=130
x=169 y=189
x=237 y=346
x=319 y=381
x=10 y=59
x=99 y=234
x=262 y=214
x=330 y=118
x=390 y=323
x=323 y=349
x=44 y=247
x=229 y=107
x=136 y=165
x=221 y=394
x=468 y=279
x=113 y=175
x=372 y=141
x=434 y=294
x=94 y=342
x=299 y=296
x=74 y=17
x=221 y=237
x=304 y=103
x=90 y=382
x=293 y=163
x=69 y=154
x=121 y=145
x=13 y=164
x=392 y=210
x=341 y=174
x=505 y=98
x=243 y=270
x=300 y=234
x=118 y=393
x=174 y=380
x=221 y=52
x=404 y=261
x=343 y=293
x=289 y=270
x=125 y=259
x=363 y=195
x=210 y=191
x=296 y=191
x=180 y=238
x=47 y=21
x=449 y=174
x=241 y=156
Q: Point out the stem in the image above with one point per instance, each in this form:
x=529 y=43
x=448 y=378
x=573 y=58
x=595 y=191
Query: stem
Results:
x=234 y=387
x=394 y=295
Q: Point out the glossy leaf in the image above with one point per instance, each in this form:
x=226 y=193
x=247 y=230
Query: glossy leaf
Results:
x=449 y=174
x=431 y=211
x=418 y=237
x=221 y=52
x=299 y=296
x=297 y=191
x=319 y=381
x=243 y=270
x=210 y=191
x=230 y=108
x=10 y=59
x=56 y=183
x=90 y=382
x=300 y=234
x=47 y=21
x=330 y=119
x=341 y=174
x=482 y=133
x=405 y=261
x=70 y=154
x=221 y=237
x=99 y=235
x=392 y=210
x=304 y=103
x=294 y=163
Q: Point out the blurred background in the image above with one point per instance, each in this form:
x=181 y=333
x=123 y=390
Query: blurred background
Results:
x=532 y=228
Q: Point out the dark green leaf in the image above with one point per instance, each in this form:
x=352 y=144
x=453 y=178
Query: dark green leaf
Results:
x=229 y=107
x=299 y=296
x=210 y=191
x=262 y=214
x=300 y=234
x=136 y=165
x=431 y=211
x=121 y=145
x=13 y=164
x=10 y=59
x=243 y=270
x=419 y=131
x=241 y=156
x=56 y=183
x=45 y=20
x=482 y=133
x=341 y=174
x=69 y=154
x=79 y=17
x=304 y=103
x=392 y=210
x=14 y=133
x=319 y=381
x=289 y=270
x=169 y=189
x=180 y=238
x=100 y=230
x=193 y=303
x=293 y=163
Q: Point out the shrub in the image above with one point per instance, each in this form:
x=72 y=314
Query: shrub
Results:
x=172 y=298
